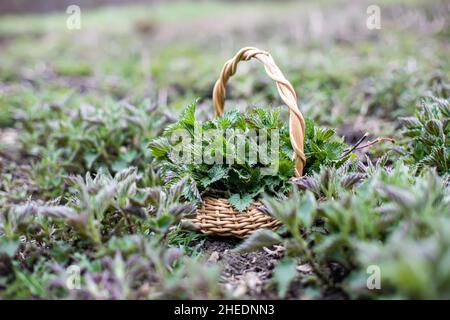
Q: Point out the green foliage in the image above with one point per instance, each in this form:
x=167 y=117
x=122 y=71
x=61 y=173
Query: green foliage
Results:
x=395 y=94
x=240 y=181
x=330 y=182
x=429 y=133
x=5 y=115
x=393 y=219
x=411 y=267
x=115 y=231
x=100 y=208
x=322 y=147
x=88 y=137
x=72 y=69
x=130 y=267
x=283 y=274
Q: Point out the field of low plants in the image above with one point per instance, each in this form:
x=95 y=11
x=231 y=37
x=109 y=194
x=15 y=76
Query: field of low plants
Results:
x=95 y=204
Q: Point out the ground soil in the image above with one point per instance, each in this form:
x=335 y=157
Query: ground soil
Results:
x=243 y=274
x=250 y=274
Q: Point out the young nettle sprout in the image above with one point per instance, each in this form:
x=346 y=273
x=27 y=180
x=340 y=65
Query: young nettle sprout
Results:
x=429 y=133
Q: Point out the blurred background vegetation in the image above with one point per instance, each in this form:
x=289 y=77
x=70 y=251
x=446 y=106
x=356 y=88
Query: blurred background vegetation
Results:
x=172 y=51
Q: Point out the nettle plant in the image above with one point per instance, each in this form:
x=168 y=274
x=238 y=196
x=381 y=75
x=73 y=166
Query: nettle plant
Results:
x=99 y=208
x=115 y=230
x=87 y=138
x=389 y=217
x=128 y=267
x=239 y=155
x=429 y=131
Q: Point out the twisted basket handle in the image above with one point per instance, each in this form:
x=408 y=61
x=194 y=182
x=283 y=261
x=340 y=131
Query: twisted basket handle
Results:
x=285 y=89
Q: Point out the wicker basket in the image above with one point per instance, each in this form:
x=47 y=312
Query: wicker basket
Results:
x=217 y=216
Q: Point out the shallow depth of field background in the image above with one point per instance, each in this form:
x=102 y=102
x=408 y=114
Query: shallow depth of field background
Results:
x=172 y=52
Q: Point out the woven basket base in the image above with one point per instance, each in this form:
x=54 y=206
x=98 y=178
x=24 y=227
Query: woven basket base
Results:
x=217 y=217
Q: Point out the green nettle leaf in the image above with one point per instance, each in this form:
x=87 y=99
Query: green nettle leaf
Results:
x=8 y=247
x=160 y=147
x=245 y=178
x=119 y=165
x=241 y=203
x=191 y=192
x=90 y=159
x=164 y=221
x=307 y=211
x=187 y=121
x=257 y=240
x=429 y=143
x=177 y=189
x=322 y=147
x=284 y=273
x=410 y=122
x=129 y=156
x=216 y=173
x=434 y=127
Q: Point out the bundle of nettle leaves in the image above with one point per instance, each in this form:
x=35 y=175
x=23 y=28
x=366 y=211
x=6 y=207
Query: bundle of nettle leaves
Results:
x=246 y=178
